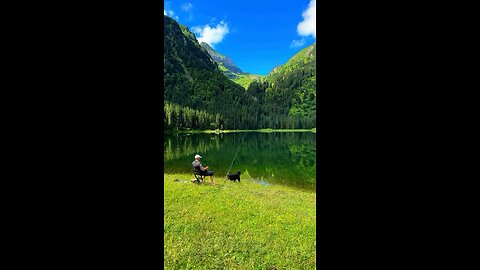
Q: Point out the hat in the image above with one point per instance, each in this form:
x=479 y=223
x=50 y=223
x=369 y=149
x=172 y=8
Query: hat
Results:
x=197 y=156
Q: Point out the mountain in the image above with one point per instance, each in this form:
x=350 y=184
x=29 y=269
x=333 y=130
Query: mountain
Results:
x=274 y=69
x=304 y=58
x=221 y=59
x=288 y=92
x=198 y=95
x=297 y=78
x=229 y=69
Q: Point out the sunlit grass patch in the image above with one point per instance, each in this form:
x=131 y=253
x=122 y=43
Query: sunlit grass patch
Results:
x=237 y=226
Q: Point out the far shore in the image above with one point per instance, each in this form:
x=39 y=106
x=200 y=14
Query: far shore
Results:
x=218 y=131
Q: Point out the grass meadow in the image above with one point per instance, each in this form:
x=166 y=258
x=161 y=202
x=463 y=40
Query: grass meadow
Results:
x=237 y=225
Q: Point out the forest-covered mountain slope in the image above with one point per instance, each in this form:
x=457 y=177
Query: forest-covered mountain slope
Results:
x=199 y=96
x=192 y=80
x=289 y=91
x=298 y=78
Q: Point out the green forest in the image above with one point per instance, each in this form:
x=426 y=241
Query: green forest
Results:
x=198 y=95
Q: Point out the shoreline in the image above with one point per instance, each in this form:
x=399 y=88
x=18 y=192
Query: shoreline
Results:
x=219 y=131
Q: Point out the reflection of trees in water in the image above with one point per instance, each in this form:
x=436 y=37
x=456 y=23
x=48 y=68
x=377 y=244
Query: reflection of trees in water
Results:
x=304 y=157
x=177 y=146
x=287 y=158
x=281 y=157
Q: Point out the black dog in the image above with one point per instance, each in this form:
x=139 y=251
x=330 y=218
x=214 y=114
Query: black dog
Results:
x=234 y=177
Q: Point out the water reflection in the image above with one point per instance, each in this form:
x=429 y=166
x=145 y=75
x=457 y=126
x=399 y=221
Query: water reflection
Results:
x=287 y=158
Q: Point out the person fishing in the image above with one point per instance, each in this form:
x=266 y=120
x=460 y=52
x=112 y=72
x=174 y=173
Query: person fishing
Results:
x=198 y=167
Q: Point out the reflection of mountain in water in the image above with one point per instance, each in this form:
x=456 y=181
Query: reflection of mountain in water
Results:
x=286 y=158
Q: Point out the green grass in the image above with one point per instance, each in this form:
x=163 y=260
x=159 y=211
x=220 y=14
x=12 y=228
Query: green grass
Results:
x=237 y=226
x=246 y=79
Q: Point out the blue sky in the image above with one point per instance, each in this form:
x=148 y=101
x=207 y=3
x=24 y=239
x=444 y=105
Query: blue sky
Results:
x=256 y=35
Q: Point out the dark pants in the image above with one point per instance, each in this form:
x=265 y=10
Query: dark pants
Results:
x=206 y=173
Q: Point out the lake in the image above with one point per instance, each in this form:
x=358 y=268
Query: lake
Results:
x=274 y=158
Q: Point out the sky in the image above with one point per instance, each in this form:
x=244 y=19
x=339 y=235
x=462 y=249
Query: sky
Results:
x=257 y=35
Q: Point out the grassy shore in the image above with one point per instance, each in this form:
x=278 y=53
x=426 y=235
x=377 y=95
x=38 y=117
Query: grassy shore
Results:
x=237 y=225
x=245 y=130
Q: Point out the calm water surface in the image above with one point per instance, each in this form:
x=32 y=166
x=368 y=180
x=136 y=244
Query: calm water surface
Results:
x=277 y=158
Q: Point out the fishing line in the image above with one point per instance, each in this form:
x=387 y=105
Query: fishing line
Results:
x=234 y=157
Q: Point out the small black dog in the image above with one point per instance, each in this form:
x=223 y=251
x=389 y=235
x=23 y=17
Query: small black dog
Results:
x=234 y=177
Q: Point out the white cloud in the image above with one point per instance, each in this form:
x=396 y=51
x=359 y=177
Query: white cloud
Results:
x=167 y=10
x=187 y=6
x=170 y=13
x=297 y=43
x=308 y=26
x=211 y=35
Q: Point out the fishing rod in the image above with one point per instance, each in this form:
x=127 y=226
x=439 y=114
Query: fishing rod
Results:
x=225 y=179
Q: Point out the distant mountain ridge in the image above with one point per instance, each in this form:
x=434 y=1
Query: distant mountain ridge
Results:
x=305 y=57
x=225 y=60
x=229 y=69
